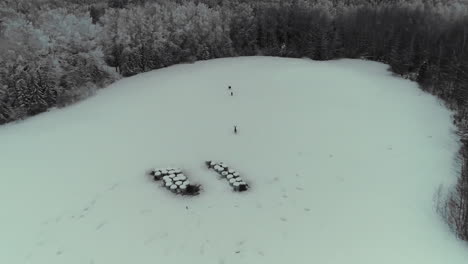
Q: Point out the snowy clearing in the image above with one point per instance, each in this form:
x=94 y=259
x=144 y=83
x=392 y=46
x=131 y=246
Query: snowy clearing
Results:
x=344 y=160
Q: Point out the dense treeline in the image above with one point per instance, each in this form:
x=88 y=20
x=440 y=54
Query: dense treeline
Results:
x=55 y=52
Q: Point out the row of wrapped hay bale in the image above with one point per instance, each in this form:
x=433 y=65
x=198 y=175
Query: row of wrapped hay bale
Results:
x=232 y=176
x=174 y=180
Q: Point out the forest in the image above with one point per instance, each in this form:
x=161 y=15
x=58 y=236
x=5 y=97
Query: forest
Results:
x=54 y=53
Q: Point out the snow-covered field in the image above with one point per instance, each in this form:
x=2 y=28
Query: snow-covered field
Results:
x=342 y=158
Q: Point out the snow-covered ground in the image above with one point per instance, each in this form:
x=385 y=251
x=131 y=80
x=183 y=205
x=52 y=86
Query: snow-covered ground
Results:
x=342 y=158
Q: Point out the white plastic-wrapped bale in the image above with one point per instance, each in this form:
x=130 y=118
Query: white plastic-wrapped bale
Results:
x=156 y=176
x=236 y=174
x=157 y=173
x=164 y=171
x=173 y=187
x=238 y=179
x=224 y=173
x=178 y=183
x=186 y=182
x=183 y=187
x=172 y=175
x=229 y=176
x=165 y=178
x=182 y=177
x=168 y=183
x=232 y=180
x=231 y=171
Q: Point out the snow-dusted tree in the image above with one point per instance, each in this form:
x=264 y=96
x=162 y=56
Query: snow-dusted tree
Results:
x=115 y=37
x=117 y=3
x=68 y=33
x=243 y=30
x=21 y=38
x=96 y=12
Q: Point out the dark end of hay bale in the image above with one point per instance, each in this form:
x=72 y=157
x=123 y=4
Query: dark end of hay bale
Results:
x=192 y=189
x=208 y=164
x=157 y=178
x=243 y=187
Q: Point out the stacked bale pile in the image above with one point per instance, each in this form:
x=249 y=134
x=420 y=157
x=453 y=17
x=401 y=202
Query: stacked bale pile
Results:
x=174 y=180
x=232 y=176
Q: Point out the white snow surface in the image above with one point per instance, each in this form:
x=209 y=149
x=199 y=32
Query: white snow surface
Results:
x=343 y=160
